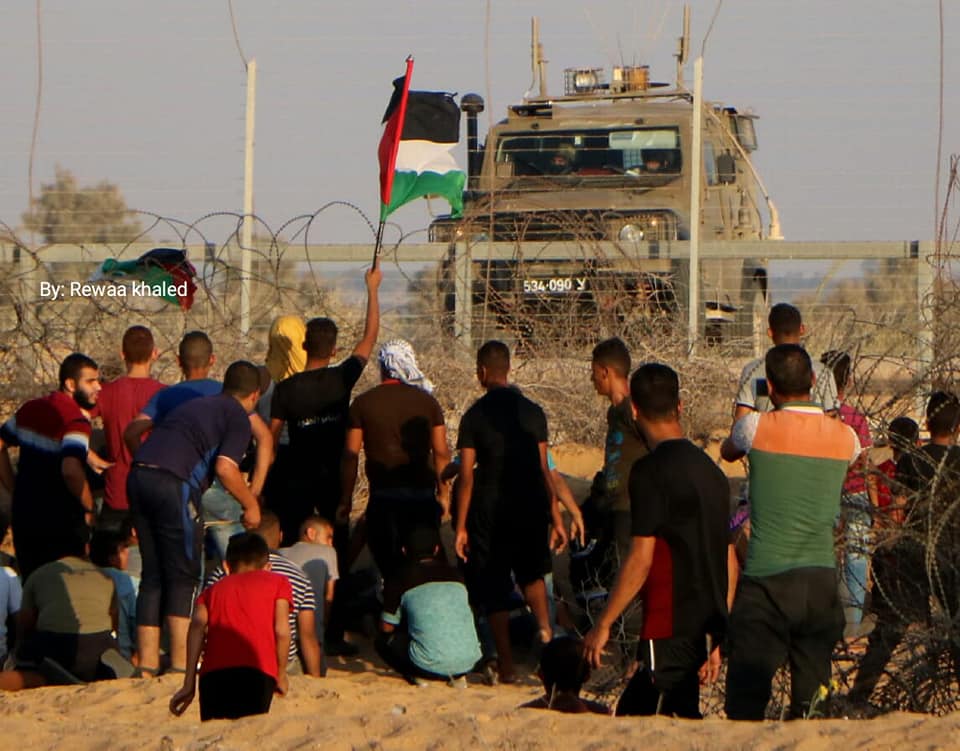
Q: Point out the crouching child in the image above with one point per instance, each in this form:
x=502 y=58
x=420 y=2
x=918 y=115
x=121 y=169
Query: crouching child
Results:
x=241 y=630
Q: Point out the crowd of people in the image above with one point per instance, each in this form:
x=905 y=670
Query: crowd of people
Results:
x=246 y=486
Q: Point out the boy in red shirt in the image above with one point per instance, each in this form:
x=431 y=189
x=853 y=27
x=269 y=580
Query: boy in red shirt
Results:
x=241 y=627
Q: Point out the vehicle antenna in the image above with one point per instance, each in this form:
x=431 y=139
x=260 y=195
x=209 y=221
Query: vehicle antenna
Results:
x=683 y=46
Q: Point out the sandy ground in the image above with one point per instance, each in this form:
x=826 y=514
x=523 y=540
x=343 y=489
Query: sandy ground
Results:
x=371 y=710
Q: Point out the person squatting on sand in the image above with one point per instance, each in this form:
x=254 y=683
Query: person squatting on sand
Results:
x=563 y=670
x=304 y=654
x=427 y=629
x=241 y=630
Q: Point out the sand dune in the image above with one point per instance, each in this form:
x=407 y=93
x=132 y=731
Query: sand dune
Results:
x=371 y=710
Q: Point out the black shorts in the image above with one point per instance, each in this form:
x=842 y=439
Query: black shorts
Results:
x=78 y=654
x=235 y=692
x=520 y=559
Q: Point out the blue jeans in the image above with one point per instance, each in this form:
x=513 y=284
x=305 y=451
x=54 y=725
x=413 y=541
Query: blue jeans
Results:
x=857 y=520
x=221 y=517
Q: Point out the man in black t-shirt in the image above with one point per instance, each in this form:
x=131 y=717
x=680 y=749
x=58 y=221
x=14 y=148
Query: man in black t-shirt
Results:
x=677 y=559
x=505 y=501
x=931 y=478
x=314 y=404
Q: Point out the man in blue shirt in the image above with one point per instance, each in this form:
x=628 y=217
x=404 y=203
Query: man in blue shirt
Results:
x=200 y=439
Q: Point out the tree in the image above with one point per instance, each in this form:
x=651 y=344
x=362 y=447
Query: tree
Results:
x=66 y=212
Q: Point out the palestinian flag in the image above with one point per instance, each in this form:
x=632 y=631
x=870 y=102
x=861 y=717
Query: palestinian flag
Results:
x=421 y=129
x=163 y=275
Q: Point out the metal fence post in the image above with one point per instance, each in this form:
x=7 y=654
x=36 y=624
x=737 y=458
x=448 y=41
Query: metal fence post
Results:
x=463 y=295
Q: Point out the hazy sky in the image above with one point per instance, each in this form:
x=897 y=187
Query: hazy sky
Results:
x=150 y=95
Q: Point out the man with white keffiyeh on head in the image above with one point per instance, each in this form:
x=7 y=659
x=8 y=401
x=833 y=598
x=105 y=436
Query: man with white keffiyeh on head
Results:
x=400 y=425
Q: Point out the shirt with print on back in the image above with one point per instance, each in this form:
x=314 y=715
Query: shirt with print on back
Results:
x=680 y=497
x=314 y=406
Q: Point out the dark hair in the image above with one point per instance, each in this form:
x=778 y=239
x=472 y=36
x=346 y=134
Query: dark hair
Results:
x=320 y=339
x=247 y=549
x=421 y=541
x=613 y=353
x=943 y=413
x=104 y=544
x=314 y=520
x=563 y=666
x=137 y=344
x=195 y=350
x=840 y=363
x=784 y=319
x=495 y=357
x=72 y=365
x=269 y=523
x=789 y=370
x=77 y=540
x=655 y=391
x=241 y=379
x=902 y=432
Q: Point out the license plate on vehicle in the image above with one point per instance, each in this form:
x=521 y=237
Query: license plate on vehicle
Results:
x=557 y=285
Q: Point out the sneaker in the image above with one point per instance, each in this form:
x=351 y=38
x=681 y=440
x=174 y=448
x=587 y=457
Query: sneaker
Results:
x=459 y=682
x=341 y=648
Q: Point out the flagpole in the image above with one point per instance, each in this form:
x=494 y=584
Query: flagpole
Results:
x=387 y=187
x=378 y=246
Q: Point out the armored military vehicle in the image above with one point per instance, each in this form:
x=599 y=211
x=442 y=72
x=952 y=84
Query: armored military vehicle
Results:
x=607 y=165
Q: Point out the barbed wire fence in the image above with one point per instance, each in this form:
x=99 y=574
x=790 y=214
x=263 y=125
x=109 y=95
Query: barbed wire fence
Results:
x=900 y=330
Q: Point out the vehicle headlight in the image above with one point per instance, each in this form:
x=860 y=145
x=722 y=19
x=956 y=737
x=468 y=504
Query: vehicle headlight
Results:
x=630 y=233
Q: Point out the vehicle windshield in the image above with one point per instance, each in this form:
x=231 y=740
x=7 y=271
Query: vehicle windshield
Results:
x=592 y=153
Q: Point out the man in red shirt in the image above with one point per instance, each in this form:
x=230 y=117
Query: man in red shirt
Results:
x=240 y=626
x=51 y=496
x=120 y=402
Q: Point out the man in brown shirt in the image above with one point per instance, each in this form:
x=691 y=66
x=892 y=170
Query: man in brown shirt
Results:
x=400 y=425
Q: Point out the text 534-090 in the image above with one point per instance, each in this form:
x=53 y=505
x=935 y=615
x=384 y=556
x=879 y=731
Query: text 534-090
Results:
x=555 y=285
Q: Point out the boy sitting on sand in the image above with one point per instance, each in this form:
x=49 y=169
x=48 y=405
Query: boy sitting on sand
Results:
x=563 y=671
x=428 y=629
x=240 y=626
